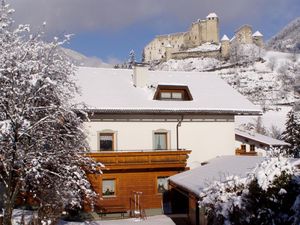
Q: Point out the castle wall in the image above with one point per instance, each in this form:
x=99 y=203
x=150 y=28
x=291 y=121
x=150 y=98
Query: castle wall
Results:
x=195 y=54
x=200 y=32
x=225 y=49
x=156 y=49
x=244 y=35
x=258 y=40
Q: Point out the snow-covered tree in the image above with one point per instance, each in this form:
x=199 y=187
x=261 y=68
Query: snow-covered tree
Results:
x=292 y=133
x=41 y=137
x=131 y=60
x=270 y=194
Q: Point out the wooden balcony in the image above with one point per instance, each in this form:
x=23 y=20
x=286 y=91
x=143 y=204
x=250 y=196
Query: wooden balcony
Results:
x=119 y=160
x=239 y=151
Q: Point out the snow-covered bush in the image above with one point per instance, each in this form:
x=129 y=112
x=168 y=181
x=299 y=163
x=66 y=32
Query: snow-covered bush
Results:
x=269 y=195
x=41 y=136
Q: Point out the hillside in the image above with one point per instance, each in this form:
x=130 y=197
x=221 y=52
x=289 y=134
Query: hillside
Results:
x=288 y=39
x=267 y=82
x=81 y=60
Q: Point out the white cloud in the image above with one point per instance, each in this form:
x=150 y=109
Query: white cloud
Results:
x=68 y=16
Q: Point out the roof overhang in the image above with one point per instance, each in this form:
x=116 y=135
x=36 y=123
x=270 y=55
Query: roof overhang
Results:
x=176 y=111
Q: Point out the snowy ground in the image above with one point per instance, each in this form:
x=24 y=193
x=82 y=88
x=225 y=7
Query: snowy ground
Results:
x=152 y=220
x=273 y=118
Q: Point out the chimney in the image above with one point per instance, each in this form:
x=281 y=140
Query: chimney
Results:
x=140 y=75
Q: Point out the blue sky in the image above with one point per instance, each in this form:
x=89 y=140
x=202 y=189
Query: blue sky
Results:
x=109 y=29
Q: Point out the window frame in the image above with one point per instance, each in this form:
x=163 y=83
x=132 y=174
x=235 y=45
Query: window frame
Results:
x=114 y=139
x=165 y=133
x=243 y=147
x=182 y=89
x=114 y=186
x=157 y=184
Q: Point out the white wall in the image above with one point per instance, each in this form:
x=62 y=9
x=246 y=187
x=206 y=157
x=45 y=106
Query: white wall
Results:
x=261 y=150
x=207 y=138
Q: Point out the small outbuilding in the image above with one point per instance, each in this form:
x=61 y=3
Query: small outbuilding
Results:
x=186 y=187
x=252 y=143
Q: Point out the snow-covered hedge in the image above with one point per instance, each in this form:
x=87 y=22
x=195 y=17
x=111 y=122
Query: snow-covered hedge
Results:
x=269 y=195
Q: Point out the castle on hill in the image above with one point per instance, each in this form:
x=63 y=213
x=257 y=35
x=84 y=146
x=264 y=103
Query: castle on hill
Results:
x=201 y=40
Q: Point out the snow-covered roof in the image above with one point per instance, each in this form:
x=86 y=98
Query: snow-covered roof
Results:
x=212 y=15
x=260 y=138
x=216 y=169
x=225 y=38
x=233 y=38
x=257 y=34
x=112 y=90
x=205 y=47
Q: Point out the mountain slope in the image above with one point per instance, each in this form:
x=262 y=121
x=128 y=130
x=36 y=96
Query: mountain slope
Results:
x=288 y=39
x=81 y=60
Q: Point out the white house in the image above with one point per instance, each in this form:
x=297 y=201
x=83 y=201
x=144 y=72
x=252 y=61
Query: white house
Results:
x=145 y=110
x=255 y=142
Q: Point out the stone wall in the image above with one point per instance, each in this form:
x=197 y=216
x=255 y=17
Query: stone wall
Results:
x=195 y=54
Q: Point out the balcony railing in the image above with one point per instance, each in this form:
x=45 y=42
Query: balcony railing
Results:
x=239 y=151
x=141 y=159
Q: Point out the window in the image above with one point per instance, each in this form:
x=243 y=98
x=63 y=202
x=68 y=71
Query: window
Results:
x=108 y=187
x=172 y=92
x=171 y=95
x=160 y=140
x=252 y=148
x=243 y=147
x=106 y=141
x=162 y=184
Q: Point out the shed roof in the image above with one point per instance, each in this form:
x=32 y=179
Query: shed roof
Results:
x=216 y=169
x=260 y=138
x=112 y=90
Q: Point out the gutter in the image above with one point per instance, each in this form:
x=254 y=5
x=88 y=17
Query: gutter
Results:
x=177 y=131
x=174 y=111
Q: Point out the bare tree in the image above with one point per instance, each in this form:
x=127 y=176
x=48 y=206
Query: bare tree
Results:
x=272 y=63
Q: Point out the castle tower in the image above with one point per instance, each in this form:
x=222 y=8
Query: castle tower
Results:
x=168 y=51
x=225 y=47
x=212 y=28
x=258 y=39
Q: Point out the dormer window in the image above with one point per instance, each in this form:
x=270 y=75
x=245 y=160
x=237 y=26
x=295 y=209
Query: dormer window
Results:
x=173 y=93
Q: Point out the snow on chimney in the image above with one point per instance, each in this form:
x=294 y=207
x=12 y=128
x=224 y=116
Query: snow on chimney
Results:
x=140 y=76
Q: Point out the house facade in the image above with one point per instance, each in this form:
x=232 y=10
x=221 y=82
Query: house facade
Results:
x=147 y=125
x=252 y=143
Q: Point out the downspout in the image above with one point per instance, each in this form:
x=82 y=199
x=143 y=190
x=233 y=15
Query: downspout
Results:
x=177 y=131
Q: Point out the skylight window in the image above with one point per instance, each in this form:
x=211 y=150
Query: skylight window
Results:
x=173 y=93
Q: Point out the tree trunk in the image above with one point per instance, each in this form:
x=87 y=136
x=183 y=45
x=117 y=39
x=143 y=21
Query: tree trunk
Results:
x=7 y=216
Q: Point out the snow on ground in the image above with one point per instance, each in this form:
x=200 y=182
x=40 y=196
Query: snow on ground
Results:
x=151 y=220
x=268 y=83
x=272 y=118
x=206 y=47
x=193 y=64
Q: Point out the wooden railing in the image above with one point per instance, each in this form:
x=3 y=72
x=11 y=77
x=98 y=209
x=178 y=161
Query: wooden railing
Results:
x=141 y=159
x=239 y=151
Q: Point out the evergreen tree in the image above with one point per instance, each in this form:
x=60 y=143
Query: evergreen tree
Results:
x=292 y=134
x=131 y=60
